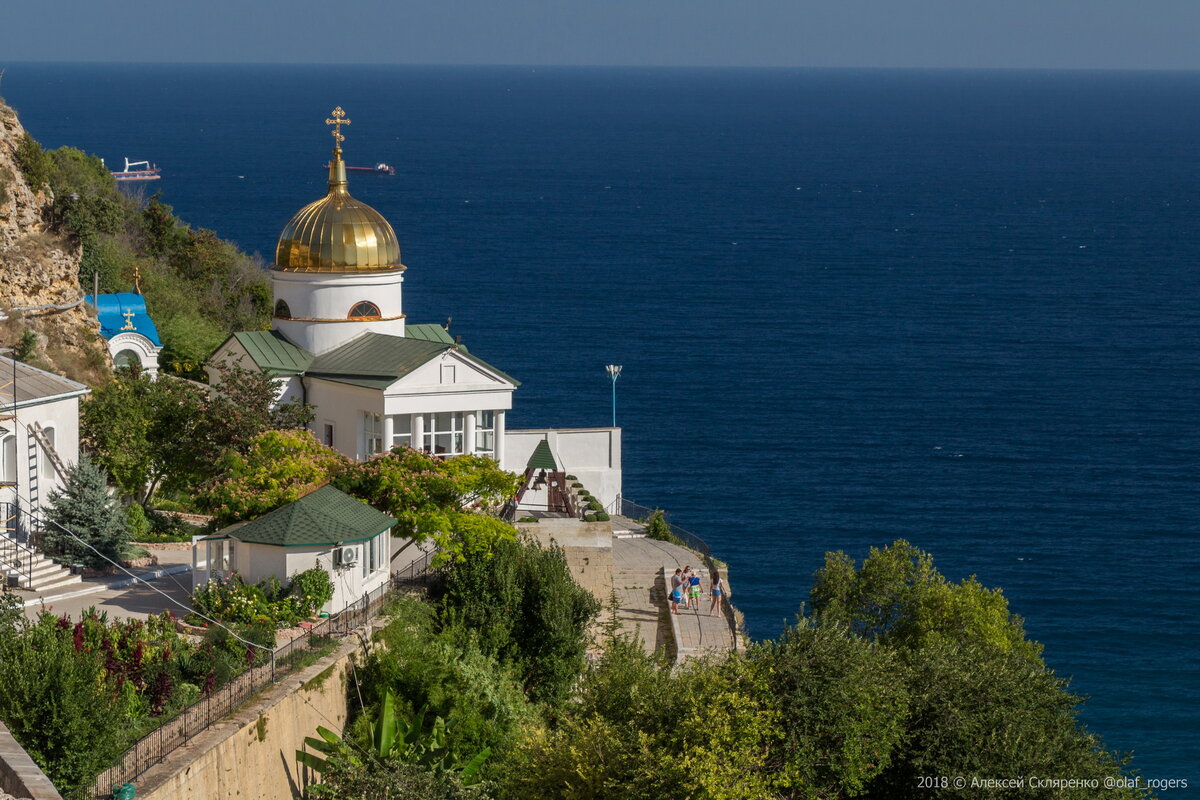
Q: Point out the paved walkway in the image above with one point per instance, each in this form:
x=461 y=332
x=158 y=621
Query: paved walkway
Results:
x=638 y=577
x=133 y=601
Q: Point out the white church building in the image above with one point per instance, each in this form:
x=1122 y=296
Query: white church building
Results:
x=340 y=341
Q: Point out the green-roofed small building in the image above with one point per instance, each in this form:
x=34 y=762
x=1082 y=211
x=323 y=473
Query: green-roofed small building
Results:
x=326 y=528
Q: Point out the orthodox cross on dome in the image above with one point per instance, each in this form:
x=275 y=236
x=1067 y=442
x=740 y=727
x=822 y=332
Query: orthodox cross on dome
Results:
x=128 y=315
x=337 y=122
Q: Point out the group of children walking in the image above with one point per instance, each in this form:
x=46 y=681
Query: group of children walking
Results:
x=686 y=589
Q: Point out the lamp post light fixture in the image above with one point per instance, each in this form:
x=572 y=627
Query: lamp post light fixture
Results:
x=614 y=372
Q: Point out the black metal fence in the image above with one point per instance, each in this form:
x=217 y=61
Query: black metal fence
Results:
x=196 y=718
x=640 y=513
x=16 y=553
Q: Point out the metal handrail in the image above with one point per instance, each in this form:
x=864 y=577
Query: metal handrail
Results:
x=16 y=557
x=196 y=718
x=640 y=513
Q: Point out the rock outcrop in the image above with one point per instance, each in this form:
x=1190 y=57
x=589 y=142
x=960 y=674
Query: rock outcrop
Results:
x=39 y=275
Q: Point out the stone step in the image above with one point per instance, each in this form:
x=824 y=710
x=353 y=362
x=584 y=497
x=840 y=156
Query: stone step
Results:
x=42 y=574
x=55 y=582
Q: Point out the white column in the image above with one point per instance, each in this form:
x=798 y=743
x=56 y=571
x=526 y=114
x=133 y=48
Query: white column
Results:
x=469 y=432
x=500 y=437
x=418 y=431
x=389 y=431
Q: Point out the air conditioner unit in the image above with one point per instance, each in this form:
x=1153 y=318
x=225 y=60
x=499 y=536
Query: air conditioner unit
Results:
x=345 y=556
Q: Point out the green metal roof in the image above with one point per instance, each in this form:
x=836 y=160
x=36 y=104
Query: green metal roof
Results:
x=375 y=357
x=429 y=332
x=541 y=457
x=324 y=517
x=273 y=353
x=373 y=360
x=376 y=360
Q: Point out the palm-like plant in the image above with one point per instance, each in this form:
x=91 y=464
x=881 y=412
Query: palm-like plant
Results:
x=392 y=737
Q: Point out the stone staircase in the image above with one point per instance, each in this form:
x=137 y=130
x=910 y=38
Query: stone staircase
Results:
x=36 y=572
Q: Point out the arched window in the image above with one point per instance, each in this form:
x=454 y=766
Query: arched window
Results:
x=364 y=310
x=8 y=459
x=127 y=358
x=282 y=311
x=46 y=467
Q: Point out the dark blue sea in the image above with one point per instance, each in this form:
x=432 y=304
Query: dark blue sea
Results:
x=962 y=308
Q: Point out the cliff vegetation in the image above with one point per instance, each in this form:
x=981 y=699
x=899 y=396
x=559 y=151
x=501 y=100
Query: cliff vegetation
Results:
x=65 y=227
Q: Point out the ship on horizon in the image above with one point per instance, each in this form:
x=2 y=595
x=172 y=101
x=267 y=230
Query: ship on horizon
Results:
x=379 y=169
x=136 y=171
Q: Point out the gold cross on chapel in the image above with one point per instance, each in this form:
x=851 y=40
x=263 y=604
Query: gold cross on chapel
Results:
x=128 y=315
x=337 y=122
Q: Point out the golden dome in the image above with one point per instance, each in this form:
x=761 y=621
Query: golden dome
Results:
x=337 y=233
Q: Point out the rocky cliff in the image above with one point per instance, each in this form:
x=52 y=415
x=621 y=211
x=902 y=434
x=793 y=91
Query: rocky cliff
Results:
x=39 y=276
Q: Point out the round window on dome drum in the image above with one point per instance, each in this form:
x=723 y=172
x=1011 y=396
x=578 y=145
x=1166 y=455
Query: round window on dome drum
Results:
x=364 y=310
x=282 y=311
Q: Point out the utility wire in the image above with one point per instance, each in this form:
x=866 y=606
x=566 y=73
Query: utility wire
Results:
x=137 y=578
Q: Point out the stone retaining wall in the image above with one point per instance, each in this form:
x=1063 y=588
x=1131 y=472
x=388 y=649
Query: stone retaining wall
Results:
x=253 y=753
x=19 y=776
x=587 y=546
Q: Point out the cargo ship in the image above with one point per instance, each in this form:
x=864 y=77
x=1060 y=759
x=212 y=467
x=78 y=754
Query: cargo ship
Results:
x=137 y=171
x=379 y=169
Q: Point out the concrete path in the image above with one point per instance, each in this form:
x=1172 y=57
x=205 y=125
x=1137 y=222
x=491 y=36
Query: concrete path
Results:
x=640 y=583
x=120 y=595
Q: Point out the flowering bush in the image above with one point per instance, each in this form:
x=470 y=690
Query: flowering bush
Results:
x=230 y=599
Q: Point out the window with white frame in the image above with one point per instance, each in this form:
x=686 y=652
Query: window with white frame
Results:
x=444 y=433
x=221 y=557
x=485 y=433
x=402 y=430
x=372 y=433
x=8 y=459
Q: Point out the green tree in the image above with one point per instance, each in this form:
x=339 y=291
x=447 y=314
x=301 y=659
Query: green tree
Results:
x=641 y=729
x=435 y=498
x=526 y=609
x=36 y=165
x=977 y=711
x=842 y=709
x=145 y=432
x=173 y=434
x=244 y=407
x=61 y=704
x=449 y=676
x=981 y=701
x=85 y=507
x=279 y=468
x=897 y=597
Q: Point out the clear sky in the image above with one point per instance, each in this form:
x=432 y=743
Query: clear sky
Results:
x=1105 y=34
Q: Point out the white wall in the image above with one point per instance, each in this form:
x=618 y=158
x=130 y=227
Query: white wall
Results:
x=349 y=584
x=342 y=405
x=423 y=390
x=61 y=415
x=254 y=562
x=320 y=302
x=593 y=455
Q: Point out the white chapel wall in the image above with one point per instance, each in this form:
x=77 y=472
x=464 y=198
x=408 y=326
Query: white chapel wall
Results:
x=593 y=455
